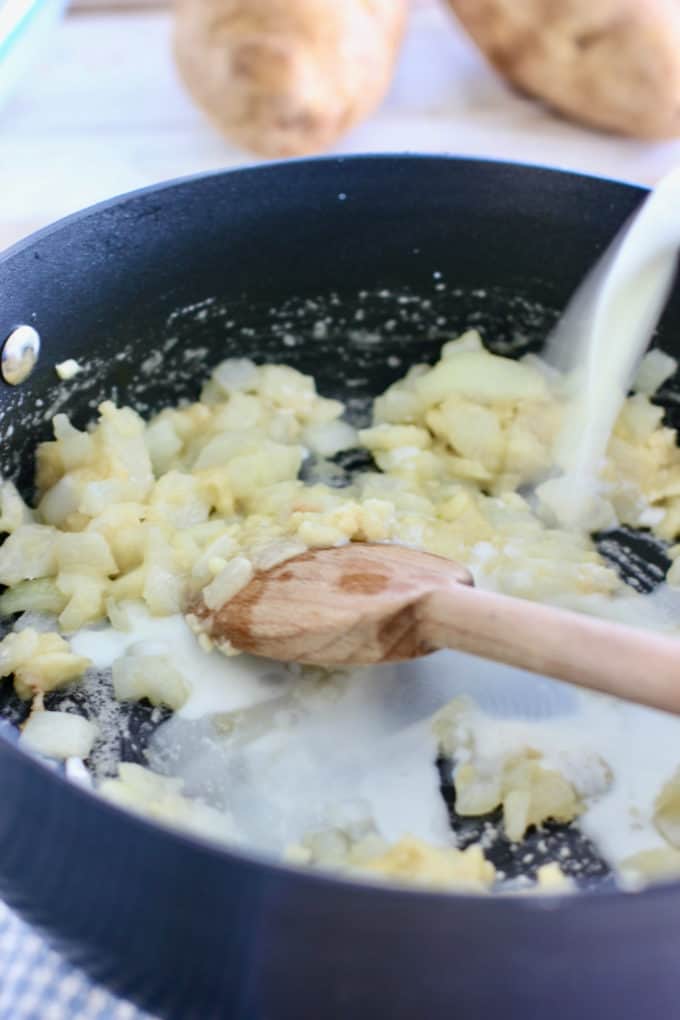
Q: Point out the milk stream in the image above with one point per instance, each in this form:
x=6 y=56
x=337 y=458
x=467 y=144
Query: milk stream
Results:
x=603 y=334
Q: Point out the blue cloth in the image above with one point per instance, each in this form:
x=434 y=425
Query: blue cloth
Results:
x=37 y=984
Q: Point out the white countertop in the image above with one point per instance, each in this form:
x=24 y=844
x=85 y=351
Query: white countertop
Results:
x=104 y=113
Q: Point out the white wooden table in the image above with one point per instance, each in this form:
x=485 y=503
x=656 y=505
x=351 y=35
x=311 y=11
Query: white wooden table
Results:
x=104 y=113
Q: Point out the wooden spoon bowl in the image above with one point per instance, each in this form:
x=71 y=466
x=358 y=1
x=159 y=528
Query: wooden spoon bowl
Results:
x=361 y=603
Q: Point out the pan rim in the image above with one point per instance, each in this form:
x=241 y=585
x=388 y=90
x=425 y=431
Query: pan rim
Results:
x=273 y=166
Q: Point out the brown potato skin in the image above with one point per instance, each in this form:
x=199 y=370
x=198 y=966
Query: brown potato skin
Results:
x=287 y=77
x=611 y=64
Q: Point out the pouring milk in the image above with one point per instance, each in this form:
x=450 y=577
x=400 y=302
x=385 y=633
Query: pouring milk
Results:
x=599 y=342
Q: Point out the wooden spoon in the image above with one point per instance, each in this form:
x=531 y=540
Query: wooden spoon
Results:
x=363 y=603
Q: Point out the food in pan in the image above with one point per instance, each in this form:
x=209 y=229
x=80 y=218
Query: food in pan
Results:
x=133 y=518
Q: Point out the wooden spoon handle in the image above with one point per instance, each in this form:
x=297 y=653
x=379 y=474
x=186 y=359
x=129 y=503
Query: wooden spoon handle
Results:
x=602 y=656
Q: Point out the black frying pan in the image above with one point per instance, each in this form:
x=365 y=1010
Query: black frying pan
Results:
x=231 y=264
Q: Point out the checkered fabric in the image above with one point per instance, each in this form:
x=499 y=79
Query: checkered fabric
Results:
x=36 y=984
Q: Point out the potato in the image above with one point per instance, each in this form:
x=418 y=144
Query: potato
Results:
x=287 y=77
x=612 y=64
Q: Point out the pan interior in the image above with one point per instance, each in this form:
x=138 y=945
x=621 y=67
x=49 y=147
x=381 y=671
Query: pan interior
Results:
x=354 y=344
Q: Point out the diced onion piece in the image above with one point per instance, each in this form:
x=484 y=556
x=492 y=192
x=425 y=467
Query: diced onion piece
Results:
x=77 y=772
x=85 y=591
x=395 y=437
x=667 y=811
x=87 y=549
x=236 y=375
x=39 y=661
x=61 y=501
x=28 y=553
x=482 y=377
x=13 y=510
x=468 y=341
x=230 y=580
x=414 y=861
x=659 y=864
x=149 y=676
x=75 y=448
x=160 y=797
x=118 y=614
x=328 y=438
x=163 y=587
x=283 y=386
x=68 y=369
x=516 y=814
x=274 y=553
x=551 y=879
x=163 y=444
x=40 y=596
x=472 y=430
x=59 y=735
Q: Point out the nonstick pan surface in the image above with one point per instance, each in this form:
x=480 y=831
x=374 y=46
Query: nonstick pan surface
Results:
x=350 y=270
